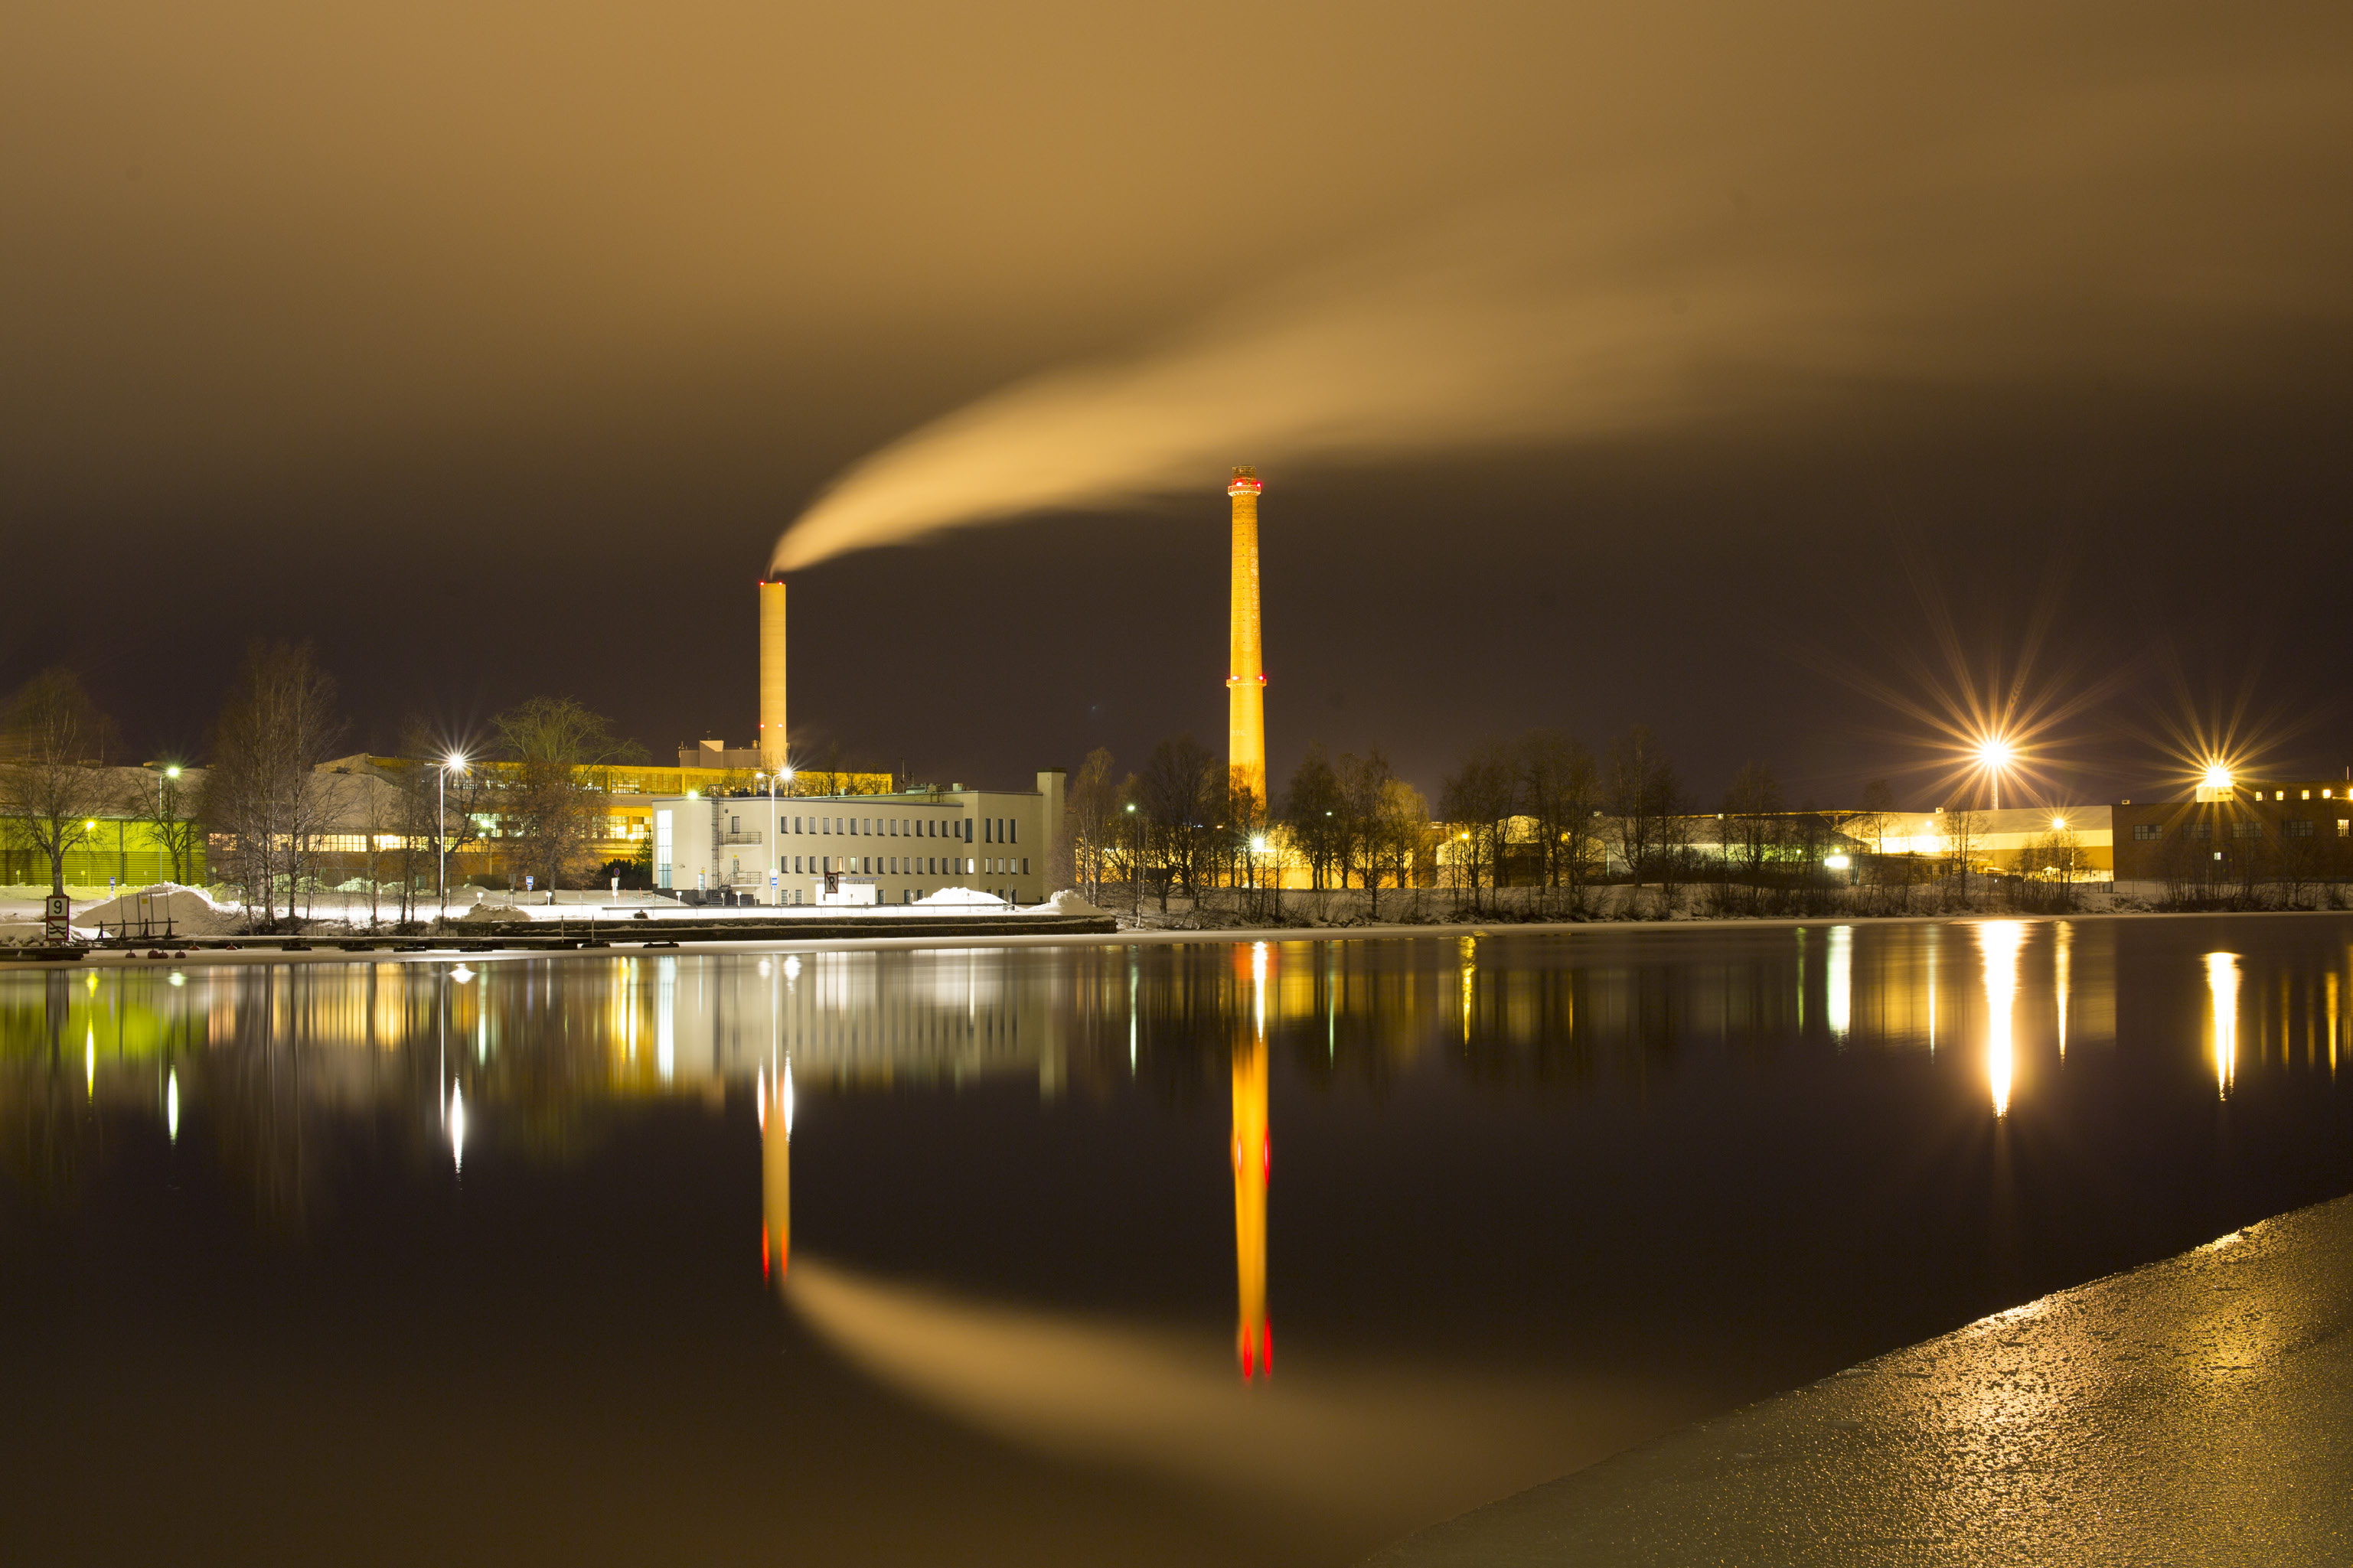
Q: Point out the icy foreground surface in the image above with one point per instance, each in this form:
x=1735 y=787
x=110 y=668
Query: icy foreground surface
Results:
x=2195 y=1411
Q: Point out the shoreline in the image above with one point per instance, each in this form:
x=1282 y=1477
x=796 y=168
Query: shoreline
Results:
x=136 y=958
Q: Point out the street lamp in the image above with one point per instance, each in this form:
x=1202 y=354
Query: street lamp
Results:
x=1134 y=863
x=1995 y=755
x=441 y=828
x=775 y=863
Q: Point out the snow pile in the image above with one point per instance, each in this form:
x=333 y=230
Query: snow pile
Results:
x=191 y=910
x=1070 y=902
x=504 y=912
x=20 y=933
x=961 y=898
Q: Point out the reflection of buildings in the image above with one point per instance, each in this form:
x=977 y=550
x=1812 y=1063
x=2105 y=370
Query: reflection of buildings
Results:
x=1253 y=1157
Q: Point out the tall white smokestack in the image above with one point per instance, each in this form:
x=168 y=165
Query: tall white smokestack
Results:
x=771 y=674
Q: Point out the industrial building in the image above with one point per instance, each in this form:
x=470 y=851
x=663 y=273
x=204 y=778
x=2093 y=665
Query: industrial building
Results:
x=895 y=848
x=2234 y=829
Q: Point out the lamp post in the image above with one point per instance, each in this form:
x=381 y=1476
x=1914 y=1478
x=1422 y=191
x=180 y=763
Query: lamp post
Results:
x=1134 y=863
x=776 y=862
x=441 y=829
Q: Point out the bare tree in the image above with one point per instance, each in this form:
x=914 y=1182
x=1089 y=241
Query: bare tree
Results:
x=1315 y=816
x=1644 y=797
x=264 y=788
x=1182 y=794
x=1753 y=809
x=1364 y=785
x=1477 y=802
x=1403 y=832
x=1560 y=791
x=550 y=803
x=1869 y=824
x=53 y=749
x=167 y=808
x=1964 y=833
x=1094 y=807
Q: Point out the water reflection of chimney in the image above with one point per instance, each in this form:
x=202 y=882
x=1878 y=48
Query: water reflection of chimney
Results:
x=1253 y=1162
x=775 y=1112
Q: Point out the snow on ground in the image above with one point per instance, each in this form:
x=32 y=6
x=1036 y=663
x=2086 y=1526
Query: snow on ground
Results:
x=1069 y=901
x=959 y=898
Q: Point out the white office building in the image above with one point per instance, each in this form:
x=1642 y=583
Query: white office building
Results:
x=892 y=848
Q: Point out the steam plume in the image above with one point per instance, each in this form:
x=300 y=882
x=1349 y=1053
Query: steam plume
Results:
x=2143 y=230
x=1361 y=1441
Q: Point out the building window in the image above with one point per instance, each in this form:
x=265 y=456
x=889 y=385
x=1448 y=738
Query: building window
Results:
x=2246 y=830
x=2297 y=827
x=2202 y=830
x=1012 y=830
x=2145 y=832
x=2344 y=828
x=1025 y=864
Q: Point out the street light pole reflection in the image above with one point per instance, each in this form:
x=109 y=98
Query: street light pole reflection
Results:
x=1998 y=945
x=2222 y=990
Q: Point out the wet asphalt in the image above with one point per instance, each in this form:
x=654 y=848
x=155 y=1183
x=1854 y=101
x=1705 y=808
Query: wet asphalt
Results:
x=2196 y=1411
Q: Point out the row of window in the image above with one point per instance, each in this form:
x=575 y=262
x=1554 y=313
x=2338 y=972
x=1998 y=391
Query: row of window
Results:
x=911 y=865
x=993 y=829
x=2292 y=828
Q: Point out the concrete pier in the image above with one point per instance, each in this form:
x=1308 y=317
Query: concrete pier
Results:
x=2198 y=1410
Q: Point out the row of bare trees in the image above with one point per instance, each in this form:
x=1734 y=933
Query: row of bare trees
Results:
x=1543 y=811
x=1184 y=823
x=274 y=812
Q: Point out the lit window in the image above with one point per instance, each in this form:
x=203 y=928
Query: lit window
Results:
x=2344 y=828
x=2308 y=794
x=2279 y=794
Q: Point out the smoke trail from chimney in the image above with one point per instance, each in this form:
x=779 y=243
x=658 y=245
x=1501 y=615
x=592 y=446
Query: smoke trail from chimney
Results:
x=2145 y=233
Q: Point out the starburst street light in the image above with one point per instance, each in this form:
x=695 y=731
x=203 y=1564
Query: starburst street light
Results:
x=1995 y=756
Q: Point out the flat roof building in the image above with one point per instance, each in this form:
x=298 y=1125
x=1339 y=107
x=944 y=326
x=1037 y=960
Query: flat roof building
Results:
x=896 y=848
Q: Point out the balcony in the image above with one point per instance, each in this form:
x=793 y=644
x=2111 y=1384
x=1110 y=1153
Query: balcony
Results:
x=750 y=836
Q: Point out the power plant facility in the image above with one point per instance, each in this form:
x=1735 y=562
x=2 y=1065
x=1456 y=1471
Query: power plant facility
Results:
x=760 y=838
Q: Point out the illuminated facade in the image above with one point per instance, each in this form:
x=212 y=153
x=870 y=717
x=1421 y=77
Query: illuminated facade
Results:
x=1245 y=660
x=884 y=848
x=2270 y=830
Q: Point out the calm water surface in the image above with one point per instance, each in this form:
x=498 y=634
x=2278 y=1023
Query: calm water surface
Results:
x=1209 y=1253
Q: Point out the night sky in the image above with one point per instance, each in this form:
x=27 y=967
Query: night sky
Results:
x=494 y=349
